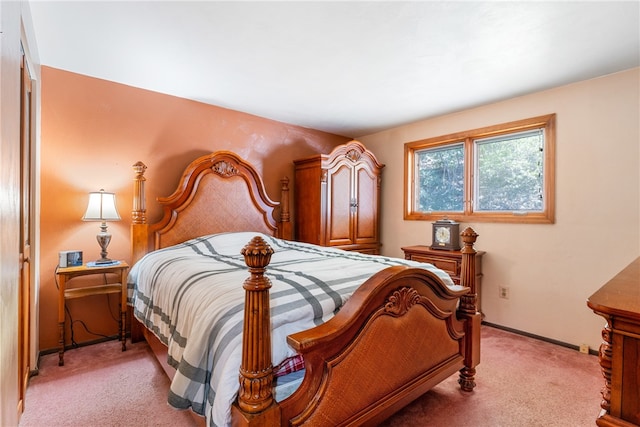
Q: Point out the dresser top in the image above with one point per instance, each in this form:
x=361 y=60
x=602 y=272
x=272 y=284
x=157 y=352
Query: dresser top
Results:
x=620 y=296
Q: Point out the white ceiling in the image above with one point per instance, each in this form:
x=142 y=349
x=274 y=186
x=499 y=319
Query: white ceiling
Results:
x=346 y=67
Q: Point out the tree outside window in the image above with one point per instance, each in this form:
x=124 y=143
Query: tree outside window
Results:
x=501 y=173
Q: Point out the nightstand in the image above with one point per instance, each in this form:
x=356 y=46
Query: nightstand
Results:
x=449 y=261
x=65 y=274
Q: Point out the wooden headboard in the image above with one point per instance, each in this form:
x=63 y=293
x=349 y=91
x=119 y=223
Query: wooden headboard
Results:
x=217 y=192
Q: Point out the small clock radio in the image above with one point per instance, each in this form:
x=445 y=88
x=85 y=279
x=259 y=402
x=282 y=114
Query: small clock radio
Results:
x=70 y=258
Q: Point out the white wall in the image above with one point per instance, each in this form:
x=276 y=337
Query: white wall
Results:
x=550 y=269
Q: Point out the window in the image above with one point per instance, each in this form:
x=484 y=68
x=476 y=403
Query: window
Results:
x=502 y=173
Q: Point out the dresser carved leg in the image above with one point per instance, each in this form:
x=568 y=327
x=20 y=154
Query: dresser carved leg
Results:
x=605 y=356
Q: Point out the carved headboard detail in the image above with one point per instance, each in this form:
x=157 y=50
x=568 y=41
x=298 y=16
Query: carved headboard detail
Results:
x=218 y=192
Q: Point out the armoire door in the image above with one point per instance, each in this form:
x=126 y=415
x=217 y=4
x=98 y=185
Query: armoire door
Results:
x=340 y=205
x=365 y=214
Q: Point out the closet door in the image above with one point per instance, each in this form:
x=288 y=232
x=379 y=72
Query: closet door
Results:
x=26 y=228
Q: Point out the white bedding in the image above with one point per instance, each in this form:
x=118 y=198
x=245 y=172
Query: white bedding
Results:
x=191 y=296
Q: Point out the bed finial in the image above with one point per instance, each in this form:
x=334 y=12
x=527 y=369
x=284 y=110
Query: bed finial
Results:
x=256 y=371
x=139 y=212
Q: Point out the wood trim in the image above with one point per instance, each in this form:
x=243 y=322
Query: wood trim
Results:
x=547 y=216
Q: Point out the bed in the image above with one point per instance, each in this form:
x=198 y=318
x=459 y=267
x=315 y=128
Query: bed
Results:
x=367 y=347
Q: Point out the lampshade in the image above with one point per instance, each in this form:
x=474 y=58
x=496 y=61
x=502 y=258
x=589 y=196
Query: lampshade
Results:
x=101 y=207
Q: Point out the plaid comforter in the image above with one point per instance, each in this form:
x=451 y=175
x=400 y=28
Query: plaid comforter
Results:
x=191 y=296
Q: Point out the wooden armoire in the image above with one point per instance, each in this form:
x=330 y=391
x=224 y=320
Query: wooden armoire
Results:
x=337 y=199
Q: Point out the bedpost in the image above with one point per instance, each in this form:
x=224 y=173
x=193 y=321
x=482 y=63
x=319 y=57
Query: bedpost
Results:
x=468 y=273
x=139 y=212
x=469 y=311
x=139 y=232
x=255 y=404
x=285 y=215
x=139 y=236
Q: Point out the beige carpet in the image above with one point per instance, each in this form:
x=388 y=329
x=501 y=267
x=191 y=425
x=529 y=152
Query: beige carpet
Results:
x=521 y=382
x=100 y=385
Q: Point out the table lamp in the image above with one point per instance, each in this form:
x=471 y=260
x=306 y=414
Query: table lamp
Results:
x=102 y=207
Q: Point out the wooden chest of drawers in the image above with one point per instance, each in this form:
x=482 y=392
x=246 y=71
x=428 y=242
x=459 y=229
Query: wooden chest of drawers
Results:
x=618 y=301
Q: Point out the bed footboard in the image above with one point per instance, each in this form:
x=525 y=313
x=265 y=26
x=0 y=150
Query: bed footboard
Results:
x=400 y=334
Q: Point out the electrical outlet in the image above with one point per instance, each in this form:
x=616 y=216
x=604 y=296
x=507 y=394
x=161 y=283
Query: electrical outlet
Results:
x=504 y=292
x=584 y=348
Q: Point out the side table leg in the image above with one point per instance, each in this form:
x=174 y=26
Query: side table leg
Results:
x=123 y=308
x=61 y=344
x=123 y=336
x=62 y=279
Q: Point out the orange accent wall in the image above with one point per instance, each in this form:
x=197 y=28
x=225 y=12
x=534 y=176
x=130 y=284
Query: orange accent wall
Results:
x=93 y=131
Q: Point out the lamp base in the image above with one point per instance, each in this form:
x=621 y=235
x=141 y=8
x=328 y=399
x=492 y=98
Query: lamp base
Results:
x=103 y=240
